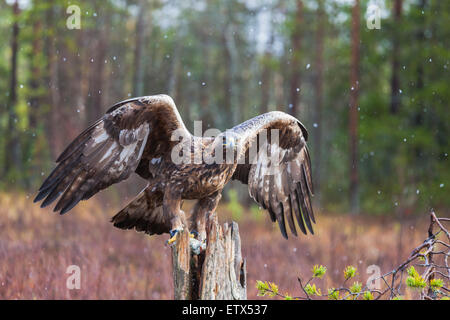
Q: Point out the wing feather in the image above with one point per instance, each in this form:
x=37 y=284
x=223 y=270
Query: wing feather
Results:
x=297 y=211
x=111 y=149
x=144 y=213
x=284 y=197
x=283 y=187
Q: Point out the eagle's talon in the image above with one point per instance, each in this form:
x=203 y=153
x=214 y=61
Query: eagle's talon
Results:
x=173 y=236
x=197 y=246
x=193 y=234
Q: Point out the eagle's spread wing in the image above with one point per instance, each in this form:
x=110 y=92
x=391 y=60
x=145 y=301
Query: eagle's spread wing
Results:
x=282 y=187
x=130 y=134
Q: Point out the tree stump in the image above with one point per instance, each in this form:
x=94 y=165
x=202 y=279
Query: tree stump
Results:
x=217 y=273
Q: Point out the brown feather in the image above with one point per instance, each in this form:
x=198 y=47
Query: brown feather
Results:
x=293 y=193
x=144 y=213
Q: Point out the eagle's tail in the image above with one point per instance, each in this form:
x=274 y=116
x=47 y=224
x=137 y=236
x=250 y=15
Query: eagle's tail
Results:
x=144 y=213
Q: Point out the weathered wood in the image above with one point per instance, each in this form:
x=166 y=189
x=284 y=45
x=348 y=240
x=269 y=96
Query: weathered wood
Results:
x=181 y=256
x=218 y=273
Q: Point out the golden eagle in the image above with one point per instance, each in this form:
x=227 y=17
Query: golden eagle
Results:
x=146 y=135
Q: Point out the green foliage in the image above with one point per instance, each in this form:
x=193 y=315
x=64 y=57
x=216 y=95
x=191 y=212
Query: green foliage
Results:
x=333 y=294
x=414 y=279
x=266 y=288
x=368 y=295
x=262 y=287
x=312 y=290
x=319 y=271
x=356 y=287
x=349 y=272
x=287 y=297
x=436 y=284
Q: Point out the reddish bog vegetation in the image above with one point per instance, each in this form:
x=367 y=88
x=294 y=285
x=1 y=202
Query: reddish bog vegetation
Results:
x=37 y=246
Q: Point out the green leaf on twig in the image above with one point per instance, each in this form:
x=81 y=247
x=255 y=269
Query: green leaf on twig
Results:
x=415 y=280
x=349 y=272
x=312 y=290
x=368 y=295
x=319 y=271
x=333 y=294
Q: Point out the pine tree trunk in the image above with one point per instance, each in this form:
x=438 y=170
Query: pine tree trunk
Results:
x=353 y=111
x=266 y=76
x=97 y=79
x=218 y=273
x=395 y=82
x=55 y=117
x=294 y=100
x=141 y=25
x=12 y=145
x=318 y=92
